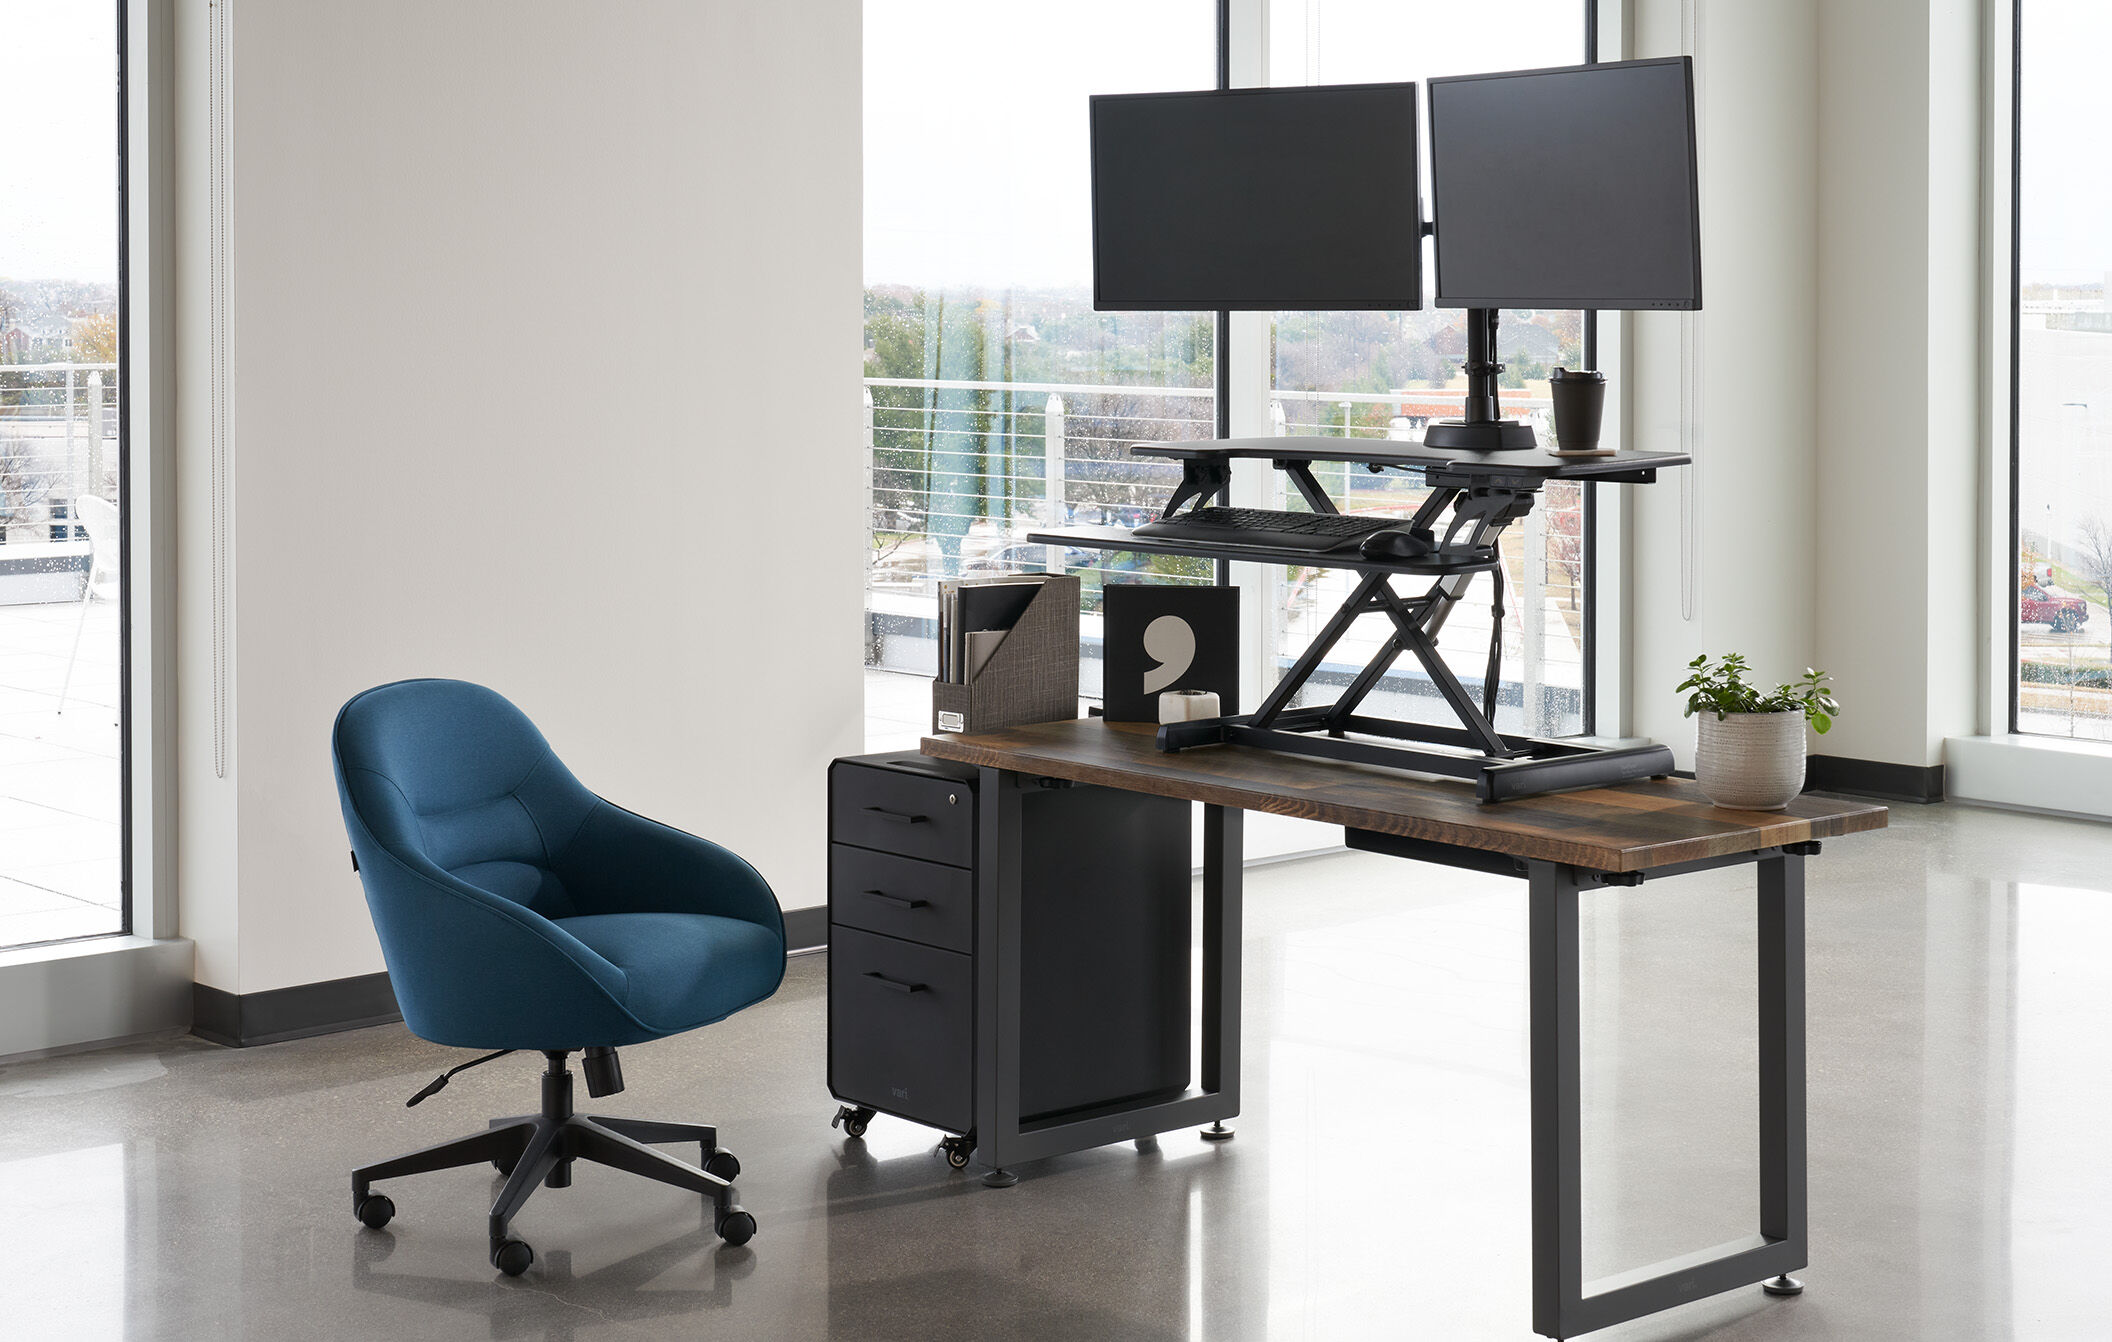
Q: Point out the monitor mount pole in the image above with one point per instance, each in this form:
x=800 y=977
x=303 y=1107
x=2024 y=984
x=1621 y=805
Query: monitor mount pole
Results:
x=1480 y=430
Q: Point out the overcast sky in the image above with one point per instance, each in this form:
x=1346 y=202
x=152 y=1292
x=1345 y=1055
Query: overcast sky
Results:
x=972 y=179
x=2067 y=172
x=976 y=166
x=58 y=174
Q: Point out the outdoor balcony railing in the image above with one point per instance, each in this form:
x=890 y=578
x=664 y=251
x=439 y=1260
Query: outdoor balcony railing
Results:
x=960 y=472
x=58 y=440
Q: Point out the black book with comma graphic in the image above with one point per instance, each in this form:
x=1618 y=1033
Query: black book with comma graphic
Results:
x=1168 y=638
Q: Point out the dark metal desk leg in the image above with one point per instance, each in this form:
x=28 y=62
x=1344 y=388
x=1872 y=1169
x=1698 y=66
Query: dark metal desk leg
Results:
x=1224 y=874
x=1555 y=1050
x=997 y=983
x=1781 y=974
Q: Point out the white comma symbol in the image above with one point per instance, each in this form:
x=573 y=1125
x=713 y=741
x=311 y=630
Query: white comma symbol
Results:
x=1170 y=643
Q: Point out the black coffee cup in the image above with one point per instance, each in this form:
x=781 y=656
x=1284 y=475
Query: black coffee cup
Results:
x=1580 y=403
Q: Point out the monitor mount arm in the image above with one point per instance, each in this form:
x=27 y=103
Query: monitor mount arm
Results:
x=1481 y=429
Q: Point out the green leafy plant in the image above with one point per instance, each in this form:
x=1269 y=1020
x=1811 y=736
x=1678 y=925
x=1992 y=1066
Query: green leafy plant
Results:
x=1720 y=687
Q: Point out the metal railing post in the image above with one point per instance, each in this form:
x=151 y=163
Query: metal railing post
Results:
x=73 y=467
x=1532 y=621
x=1052 y=475
x=98 y=425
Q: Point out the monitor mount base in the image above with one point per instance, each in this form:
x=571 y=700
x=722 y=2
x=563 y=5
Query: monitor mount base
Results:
x=1479 y=430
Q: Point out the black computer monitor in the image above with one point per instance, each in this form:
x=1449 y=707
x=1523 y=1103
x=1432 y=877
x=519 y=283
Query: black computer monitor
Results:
x=1257 y=199
x=1567 y=188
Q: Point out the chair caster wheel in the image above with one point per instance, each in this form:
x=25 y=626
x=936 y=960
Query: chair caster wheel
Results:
x=512 y=1257
x=504 y=1167
x=375 y=1211
x=852 y=1121
x=957 y=1150
x=735 y=1226
x=723 y=1165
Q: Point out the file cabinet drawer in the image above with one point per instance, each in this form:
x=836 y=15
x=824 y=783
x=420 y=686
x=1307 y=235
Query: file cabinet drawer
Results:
x=896 y=811
x=901 y=1028
x=902 y=897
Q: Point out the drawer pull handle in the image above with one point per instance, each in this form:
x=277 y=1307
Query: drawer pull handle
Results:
x=893 y=984
x=879 y=813
x=897 y=900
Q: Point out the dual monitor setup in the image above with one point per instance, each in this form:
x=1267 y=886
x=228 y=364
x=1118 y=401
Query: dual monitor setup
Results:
x=1566 y=189
x=1569 y=188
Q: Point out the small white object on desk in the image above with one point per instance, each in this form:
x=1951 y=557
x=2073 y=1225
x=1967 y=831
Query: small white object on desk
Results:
x=1187 y=705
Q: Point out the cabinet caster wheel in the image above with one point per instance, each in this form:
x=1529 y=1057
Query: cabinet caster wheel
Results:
x=723 y=1165
x=852 y=1121
x=957 y=1150
x=735 y=1226
x=512 y=1257
x=375 y=1211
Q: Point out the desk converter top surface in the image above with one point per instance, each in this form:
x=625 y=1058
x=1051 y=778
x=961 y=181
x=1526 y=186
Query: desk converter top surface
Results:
x=1520 y=461
x=1627 y=827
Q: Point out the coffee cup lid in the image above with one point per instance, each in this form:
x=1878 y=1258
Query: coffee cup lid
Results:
x=1577 y=375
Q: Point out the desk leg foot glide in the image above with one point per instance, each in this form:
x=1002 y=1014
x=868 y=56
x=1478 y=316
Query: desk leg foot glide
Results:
x=1217 y=1132
x=1783 y=1285
x=1000 y=1179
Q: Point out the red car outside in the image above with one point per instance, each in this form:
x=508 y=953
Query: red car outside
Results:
x=2040 y=604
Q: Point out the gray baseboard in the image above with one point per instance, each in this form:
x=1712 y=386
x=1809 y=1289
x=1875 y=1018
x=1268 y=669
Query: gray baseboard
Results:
x=350 y=1004
x=1874 y=778
x=248 y=1019
x=806 y=929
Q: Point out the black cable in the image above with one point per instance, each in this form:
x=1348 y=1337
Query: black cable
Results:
x=1489 y=679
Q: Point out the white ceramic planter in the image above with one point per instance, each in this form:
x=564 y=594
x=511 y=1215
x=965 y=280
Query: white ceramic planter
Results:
x=1749 y=761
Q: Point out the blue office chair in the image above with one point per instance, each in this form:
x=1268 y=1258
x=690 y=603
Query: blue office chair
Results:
x=517 y=910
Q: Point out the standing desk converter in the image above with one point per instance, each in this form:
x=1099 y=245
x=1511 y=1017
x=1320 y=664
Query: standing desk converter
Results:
x=1472 y=498
x=1562 y=845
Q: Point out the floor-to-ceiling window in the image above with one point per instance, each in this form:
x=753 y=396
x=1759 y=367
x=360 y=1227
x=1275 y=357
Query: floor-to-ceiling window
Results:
x=1382 y=375
x=2062 y=413
x=998 y=399
x=61 y=473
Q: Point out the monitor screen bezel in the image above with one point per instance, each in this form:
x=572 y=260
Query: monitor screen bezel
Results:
x=1259 y=300
x=1606 y=302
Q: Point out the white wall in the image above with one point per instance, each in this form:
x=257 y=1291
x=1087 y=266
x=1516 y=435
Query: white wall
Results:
x=547 y=332
x=1754 y=443
x=1836 y=497
x=1899 y=338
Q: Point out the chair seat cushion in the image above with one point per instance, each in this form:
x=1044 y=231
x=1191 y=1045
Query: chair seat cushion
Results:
x=684 y=969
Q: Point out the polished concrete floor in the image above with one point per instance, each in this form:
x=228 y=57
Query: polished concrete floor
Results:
x=1961 y=1179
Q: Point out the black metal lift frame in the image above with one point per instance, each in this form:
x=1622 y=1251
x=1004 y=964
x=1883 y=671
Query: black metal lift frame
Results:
x=1500 y=765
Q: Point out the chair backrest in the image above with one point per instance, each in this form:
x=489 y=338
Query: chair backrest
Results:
x=98 y=517
x=448 y=775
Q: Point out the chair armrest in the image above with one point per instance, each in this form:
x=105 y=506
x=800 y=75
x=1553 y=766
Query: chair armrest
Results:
x=622 y=862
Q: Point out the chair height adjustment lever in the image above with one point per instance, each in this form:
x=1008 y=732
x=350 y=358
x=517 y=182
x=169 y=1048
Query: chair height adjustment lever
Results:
x=439 y=1082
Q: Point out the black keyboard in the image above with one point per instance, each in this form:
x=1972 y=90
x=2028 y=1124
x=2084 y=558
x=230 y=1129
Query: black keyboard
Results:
x=1314 y=533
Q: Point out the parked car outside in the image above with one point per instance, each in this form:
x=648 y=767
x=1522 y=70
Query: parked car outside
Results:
x=2041 y=603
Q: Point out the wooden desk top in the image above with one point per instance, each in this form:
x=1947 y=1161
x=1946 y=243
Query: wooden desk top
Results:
x=1628 y=827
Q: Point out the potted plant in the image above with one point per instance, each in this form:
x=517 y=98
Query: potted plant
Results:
x=1749 y=743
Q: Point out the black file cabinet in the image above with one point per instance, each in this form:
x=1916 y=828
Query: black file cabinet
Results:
x=1100 y=1002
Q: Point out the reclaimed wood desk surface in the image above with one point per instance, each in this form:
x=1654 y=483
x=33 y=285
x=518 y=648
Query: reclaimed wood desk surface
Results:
x=1628 y=827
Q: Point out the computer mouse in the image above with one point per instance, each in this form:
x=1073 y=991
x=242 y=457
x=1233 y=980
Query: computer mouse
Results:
x=1397 y=543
